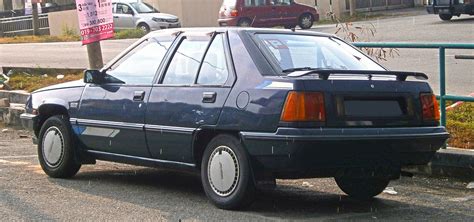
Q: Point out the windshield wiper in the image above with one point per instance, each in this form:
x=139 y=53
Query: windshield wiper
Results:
x=290 y=70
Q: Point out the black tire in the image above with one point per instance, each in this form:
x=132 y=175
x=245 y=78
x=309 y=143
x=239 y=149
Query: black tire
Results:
x=57 y=128
x=244 y=22
x=242 y=189
x=144 y=27
x=362 y=188
x=306 y=21
x=445 y=17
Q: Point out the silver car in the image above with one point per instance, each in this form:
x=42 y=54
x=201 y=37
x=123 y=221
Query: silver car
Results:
x=135 y=14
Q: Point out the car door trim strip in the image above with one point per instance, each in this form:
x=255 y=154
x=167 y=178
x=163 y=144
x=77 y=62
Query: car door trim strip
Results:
x=109 y=124
x=142 y=160
x=169 y=129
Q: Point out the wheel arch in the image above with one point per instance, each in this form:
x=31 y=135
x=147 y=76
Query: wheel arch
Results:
x=48 y=109
x=202 y=137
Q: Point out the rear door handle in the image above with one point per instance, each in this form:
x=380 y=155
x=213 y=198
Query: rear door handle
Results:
x=138 y=95
x=209 y=97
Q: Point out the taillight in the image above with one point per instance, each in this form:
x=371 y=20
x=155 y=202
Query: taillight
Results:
x=234 y=13
x=430 y=107
x=304 y=107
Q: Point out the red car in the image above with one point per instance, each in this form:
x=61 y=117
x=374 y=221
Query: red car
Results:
x=267 y=13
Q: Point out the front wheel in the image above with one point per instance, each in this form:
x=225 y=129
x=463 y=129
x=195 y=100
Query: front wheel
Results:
x=445 y=17
x=226 y=174
x=56 y=148
x=362 y=188
x=144 y=27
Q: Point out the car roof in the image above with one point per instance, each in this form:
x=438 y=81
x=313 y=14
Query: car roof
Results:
x=240 y=29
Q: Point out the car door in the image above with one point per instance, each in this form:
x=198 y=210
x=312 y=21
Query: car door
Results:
x=189 y=95
x=286 y=12
x=111 y=115
x=123 y=16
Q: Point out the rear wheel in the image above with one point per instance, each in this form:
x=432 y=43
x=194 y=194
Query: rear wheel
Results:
x=445 y=17
x=56 y=148
x=362 y=188
x=226 y=174
x=244 y=22
x=306 y=21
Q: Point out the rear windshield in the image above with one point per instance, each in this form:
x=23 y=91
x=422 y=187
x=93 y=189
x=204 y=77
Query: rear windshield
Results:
x=229 y=3
x=316 y=52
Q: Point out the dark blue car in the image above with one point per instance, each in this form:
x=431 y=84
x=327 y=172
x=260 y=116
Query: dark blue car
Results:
x=243 y=107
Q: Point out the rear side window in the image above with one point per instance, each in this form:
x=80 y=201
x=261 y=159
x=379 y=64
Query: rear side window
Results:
x=139 y=66
x=249 y=3
x=214 y=67
x=197 y=62
x=184 y=66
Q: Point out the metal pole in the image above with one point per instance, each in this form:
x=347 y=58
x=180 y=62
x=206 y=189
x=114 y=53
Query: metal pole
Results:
x=94 y=52
x=442 y=84
x=34 y=8
x=352 y=7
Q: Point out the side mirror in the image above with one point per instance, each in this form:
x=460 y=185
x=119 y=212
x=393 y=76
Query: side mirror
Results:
x=94 y=76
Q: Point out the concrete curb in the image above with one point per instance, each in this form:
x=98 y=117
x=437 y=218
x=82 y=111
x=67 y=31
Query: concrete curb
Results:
x=451 y=162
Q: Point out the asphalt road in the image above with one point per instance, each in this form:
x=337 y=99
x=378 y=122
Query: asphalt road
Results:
x=418 y=28
x=117 y=192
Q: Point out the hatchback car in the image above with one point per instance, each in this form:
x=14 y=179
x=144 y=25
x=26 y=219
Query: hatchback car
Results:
x=267 y=13
x=132 y=14
x=243 y=107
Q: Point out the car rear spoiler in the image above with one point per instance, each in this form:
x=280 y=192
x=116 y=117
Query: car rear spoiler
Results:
x=325 y=73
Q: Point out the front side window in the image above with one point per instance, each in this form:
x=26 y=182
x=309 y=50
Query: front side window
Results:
x=141 y=7
x=140 y=65
x=280 y=2
x=123 y=9
x=316 y=52
x=184 y=66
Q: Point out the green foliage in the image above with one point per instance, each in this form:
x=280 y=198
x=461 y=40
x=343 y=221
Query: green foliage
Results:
x=29 y=82
x=68 y=31
x=129 y=34
x=460 y=124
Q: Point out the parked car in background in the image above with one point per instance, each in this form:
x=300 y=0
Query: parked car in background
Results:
x=133 y=14
x=242 y=106
x=267 y=13
x=446 y=9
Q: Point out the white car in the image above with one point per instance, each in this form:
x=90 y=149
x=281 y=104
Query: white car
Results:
x=136 y=14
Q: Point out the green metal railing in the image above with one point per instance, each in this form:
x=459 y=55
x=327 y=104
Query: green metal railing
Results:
x=442 y=66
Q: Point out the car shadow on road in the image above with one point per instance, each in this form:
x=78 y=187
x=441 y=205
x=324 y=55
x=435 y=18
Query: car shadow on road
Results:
x=181 y=196
x=467 y=20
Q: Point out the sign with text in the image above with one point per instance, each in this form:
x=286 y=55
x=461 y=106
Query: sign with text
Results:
x=95 y=20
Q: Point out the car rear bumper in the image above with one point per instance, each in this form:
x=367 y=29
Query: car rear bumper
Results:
x=228 y=21
x=443 y=9
x=325 y=151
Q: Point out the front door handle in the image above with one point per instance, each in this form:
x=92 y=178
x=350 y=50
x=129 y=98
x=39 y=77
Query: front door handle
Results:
x=209 y=97
x=138 y=96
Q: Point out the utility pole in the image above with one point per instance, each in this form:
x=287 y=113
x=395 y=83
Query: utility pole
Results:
x=352 y=7
x=94 y=52
x=34 y=9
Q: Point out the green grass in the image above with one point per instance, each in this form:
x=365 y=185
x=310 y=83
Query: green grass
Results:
x=460 y=124
x=68 y=36
x=30 y=83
